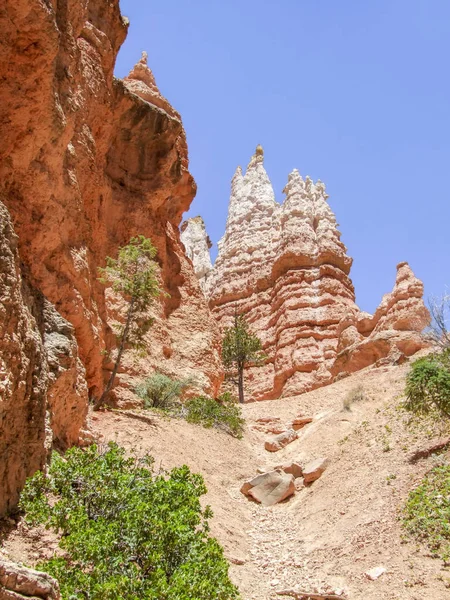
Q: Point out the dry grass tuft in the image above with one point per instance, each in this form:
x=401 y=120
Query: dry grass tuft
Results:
x=356 y=394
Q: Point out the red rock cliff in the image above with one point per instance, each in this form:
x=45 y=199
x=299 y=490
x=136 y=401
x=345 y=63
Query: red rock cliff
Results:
x=86 y=162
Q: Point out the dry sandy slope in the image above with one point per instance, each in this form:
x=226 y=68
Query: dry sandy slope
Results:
x=329 y=534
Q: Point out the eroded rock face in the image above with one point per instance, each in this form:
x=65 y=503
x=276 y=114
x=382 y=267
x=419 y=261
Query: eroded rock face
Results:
x=285 y=267
x=195 y=238
x=86 y=162
x=67 y=393
x=393 y=332
x=23 y=376
x=43 y=394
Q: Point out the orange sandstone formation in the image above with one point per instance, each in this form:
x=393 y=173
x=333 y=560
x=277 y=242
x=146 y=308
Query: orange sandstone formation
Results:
x=86 y=162
x=285 y=267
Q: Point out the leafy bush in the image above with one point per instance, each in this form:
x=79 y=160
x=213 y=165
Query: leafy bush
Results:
x=127 y=534
x=160 y=391
x=356 y=394
x=222 y=413
x=427 y=512
x=428 y=385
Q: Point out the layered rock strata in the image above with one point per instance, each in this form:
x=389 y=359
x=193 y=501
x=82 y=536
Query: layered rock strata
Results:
x=286 y=268
x=86 y=162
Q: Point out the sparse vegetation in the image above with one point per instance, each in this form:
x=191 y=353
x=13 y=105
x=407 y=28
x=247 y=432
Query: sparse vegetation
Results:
x=127 y=533
x=134 y=275
x=428 y=386
x=438 y=332
x=162 y=392
x=240 y=348
x=222 y=413
x=427 y=512
x=356 y=394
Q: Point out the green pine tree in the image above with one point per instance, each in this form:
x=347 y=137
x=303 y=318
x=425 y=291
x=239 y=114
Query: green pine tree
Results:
x=240 y=348
x=134 y=275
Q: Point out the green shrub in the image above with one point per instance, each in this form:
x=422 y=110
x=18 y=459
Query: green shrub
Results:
x=428 y=385
x=160 y=391
x=127 y=534
x=427 y=512
x=222 y=413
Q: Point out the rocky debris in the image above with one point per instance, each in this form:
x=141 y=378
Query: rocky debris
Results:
x=300 y=422
x=299 y=484
x=275 y=425
x=292 y=468
x=314 y=469
x=375 y=573
x=281 y=440
x=303 y=595
x=285 y=267
x=270 y=488
x=17 y=582
x=86 y=162
x=196 y=240
x=270 y=425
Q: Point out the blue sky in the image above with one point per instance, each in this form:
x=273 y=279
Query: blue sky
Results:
x=353 y=92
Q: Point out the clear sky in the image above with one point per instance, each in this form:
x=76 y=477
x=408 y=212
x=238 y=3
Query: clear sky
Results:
x=354 y=92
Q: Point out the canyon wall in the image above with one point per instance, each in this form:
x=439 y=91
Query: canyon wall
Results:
x=86 y=162
x=285 y=267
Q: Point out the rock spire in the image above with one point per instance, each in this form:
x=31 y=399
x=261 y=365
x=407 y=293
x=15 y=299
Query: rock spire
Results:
x=286 y=268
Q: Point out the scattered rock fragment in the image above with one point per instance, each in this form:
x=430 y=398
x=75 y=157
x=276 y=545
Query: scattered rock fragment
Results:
x=299 y=422
x=281 y=440
x=291 y=468
x=375 y=573
x=314 y=469
x=237 y=561
x=299 y=484
x=269 y=425
x=270 y=488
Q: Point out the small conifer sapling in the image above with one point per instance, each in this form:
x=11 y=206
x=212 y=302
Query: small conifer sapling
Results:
x=240 y=348
x=134 y=275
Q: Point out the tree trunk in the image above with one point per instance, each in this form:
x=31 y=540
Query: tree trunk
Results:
x=241 y=383
x=99 y=403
